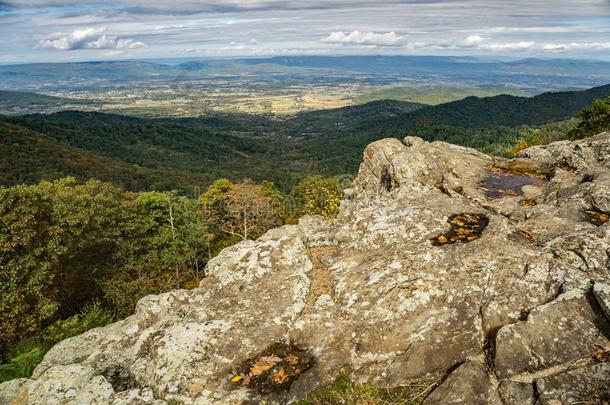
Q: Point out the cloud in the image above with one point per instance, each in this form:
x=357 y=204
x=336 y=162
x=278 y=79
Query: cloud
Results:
x=439 y=27
x=473 y=41
x=89 y=38
x=363 y=38
x=575 y=46
x=549 y=47
x=186 y=7
x=514 y=46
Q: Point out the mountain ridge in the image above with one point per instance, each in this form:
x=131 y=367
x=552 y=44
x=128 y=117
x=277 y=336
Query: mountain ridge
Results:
x=263 y=147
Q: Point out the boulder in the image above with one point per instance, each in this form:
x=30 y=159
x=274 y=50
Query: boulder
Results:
x=583 y=385
x=468 y=384
x=433 y=271
x=564 y=331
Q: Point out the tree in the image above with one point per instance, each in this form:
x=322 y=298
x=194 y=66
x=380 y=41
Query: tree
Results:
x=65 y=245
x=240 y=211
x=594 y=120
x=56 y=239
x=316 y=195
x=167 y=247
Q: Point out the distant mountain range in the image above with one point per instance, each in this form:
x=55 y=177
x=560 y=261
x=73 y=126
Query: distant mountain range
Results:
x=538 y=74
x=187 y=153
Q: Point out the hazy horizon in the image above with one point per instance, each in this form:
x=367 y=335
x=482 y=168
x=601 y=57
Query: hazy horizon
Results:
x=178 y=60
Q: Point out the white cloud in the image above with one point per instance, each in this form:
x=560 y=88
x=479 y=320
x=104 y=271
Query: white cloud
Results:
x=578 y=46
x=513 y=46
x=549 y=47
x=75 y=40
x=129 y=44
x=473 y=41
x=89 y=38
x=363 y=38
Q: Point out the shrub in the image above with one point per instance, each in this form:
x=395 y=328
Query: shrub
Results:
x=317 y=195
x=22 y=365
x=594 y=120
x=92 y=316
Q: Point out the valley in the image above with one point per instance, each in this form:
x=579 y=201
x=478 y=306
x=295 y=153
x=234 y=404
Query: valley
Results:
x=280 y=85
x=185 y=154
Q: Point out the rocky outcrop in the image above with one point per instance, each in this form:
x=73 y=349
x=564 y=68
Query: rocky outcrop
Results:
x=490 y=289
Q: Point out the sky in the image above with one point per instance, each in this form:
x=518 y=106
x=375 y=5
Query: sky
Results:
x=62 y=31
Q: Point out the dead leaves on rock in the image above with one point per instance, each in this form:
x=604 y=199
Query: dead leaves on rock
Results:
x=273 y=370
x=528 y=202
x=527 y=235
x=597 y=218
x=602 y=355
x=465 y=227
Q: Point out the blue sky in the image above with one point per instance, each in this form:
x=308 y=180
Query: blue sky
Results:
x=58 y=30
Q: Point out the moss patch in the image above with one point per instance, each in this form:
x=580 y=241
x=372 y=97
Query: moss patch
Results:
x=344 y=391
x=320 y=275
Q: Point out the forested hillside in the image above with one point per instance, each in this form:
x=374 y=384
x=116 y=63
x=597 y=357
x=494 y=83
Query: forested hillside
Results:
x=184 y=154
x=78 y=253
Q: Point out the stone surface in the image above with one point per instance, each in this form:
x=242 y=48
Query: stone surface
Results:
x=602 y=296
x=588 y=385
x=548 y=337
x=514 y=393
x=468 y=384
x=370 y=292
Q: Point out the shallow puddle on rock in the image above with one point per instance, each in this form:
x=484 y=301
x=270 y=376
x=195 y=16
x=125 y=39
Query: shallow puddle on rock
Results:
x=502 y=183
x=274 y=370
x=597 y=218
x=465 y=227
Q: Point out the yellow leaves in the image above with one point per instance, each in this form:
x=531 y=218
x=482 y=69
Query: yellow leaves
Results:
x=273 y=370
x=528 y=202
x=292 y=359
x=597 y=217
x=464 y=227
x=316 y=195
x=264 y=364
x=280 y=376
x=602 y=355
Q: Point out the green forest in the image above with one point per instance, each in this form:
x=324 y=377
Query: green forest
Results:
x=189 y=153
x=97 y=211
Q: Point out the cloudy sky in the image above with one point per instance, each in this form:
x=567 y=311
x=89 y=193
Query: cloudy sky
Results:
x=60 y=30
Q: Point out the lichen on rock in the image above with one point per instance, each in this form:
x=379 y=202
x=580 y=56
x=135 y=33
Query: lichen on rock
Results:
x=518 y=314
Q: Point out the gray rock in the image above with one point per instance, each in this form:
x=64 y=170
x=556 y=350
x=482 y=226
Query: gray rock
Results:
x=602 y=296
x=468 y=384
x=514 y=393
x=374 y=292
x=583 y=385
x=14 y=392
x=565 y=330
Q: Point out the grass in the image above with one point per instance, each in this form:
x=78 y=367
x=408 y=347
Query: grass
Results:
x=344 y=391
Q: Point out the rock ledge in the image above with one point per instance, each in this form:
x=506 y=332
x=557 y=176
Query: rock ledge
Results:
x=405 y=285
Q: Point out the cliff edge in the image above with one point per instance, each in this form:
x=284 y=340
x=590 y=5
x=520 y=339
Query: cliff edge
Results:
x=479 y=279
